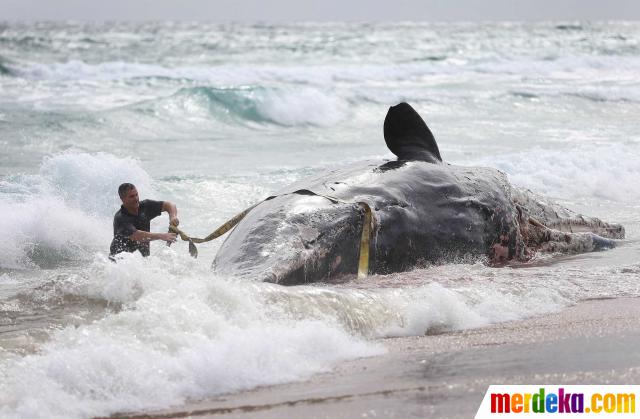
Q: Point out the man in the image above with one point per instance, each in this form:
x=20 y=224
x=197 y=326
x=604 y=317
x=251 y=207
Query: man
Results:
x=132 y=222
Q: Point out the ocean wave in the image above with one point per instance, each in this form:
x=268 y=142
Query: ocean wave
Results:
x=613 y=95
x=80 y=70
x=598 y=60
x=608 y=173
x=45 y=233
x=593 y=67
x=242 y=73
x=63 y=213
x=5 y=67
x=591 y=94
x=280 y=106
x=31 y=42
x=89 y=181
x=237 y=74
x=221 y=74
x=570 y=27
x=524 y=95
x=4 y=70
x=183 y=334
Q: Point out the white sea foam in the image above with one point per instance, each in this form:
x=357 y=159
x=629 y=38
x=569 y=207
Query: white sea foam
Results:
x=77 y=69
x=565 y=67
x=305 y=105
x=178 y=337
x=603 y=172
x=63 y=212
x=184 y=334
x=88 y=181
x=322 y=73
x=44 y=231
x=237 y=74
x=283 y=106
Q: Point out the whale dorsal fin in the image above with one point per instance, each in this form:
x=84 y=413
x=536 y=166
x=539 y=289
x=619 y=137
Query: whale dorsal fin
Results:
x=407 y=135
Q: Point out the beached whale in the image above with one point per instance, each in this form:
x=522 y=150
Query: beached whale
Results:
x=424 y=212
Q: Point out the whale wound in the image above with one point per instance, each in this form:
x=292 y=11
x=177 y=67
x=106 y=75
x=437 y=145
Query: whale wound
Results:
x=407 y=135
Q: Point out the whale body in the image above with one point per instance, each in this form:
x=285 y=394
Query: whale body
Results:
x=424 y=212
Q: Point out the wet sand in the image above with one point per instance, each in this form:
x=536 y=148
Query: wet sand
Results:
x=446 y=375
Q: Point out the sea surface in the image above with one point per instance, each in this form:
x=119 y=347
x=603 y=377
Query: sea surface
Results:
x=216 y=117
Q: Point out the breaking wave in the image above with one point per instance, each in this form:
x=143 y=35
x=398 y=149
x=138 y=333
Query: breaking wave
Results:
x=286 y=107
x=5 y=69
x=62 y=214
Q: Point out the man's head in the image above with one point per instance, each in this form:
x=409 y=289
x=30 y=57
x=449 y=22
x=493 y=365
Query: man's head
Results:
x=129 y=196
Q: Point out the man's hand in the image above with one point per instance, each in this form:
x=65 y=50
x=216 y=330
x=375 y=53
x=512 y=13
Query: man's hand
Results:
x=171 y=208
x=145 y=236
x=168 y=237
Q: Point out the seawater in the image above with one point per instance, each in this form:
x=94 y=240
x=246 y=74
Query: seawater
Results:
x=216 y=117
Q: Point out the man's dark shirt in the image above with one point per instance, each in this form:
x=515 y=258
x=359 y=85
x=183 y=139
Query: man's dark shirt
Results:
x=125 y=224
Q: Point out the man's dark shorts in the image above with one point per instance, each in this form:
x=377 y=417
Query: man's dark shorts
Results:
x=125 y=224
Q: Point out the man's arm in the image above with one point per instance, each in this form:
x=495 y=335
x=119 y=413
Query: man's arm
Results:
x=145 y=236
x=171 y=208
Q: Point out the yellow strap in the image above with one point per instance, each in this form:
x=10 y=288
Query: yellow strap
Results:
x=217 y=233
x=365 y=238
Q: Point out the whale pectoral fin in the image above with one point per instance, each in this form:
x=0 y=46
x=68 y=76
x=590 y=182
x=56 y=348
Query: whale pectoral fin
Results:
x=577 y=243
x=542 y=238
x=602 y=243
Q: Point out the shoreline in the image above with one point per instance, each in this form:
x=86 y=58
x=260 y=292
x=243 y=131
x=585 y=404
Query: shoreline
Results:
x=446 y=375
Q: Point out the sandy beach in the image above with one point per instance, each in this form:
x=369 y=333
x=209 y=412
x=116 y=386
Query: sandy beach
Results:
x=445 y=376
